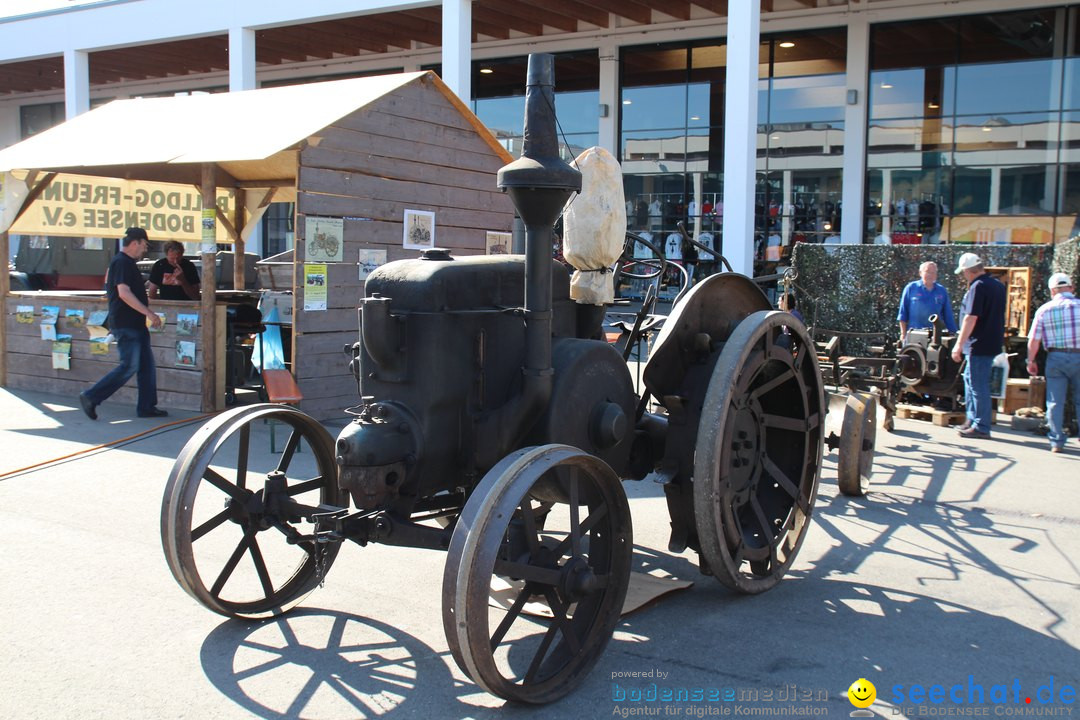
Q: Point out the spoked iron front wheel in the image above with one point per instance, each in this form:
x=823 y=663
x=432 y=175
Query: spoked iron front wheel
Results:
x=758 y=453
x=537 y=572
x=236 y=524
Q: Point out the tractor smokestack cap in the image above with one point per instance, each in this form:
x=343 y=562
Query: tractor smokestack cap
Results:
x=540 y=165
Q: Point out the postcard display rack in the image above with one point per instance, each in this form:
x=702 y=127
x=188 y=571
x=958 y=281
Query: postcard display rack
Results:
x=57 y=343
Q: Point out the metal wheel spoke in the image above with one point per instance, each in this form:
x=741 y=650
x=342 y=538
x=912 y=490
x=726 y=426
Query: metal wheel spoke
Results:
x=511 y=615
x=210 y=524
x=759 y=513
x=771 y=385
x=531 y=573
x=303 y=487
x=541 y=651
x=785 y=482
x=575 y=524
x=782 y=422
x=260 y=567
x=227 y=571
x=242 y=455
x=558 y=611
x=595 y=516
x=215 y=479
x=290 y=448
x=529 y=518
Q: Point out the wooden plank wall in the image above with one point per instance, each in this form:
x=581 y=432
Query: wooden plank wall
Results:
x=29 y=358
x=411 y=149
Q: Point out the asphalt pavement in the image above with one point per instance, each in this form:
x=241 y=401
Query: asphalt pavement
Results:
x=957 y=572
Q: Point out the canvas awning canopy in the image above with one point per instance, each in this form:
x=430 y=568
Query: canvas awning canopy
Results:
x=251 y=137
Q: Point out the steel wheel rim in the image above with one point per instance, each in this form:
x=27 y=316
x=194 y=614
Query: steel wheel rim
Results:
x=587 y=617
x=855 y=460
x=192 y=472
x=759 y=451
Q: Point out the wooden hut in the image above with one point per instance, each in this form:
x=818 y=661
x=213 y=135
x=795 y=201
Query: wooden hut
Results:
x=360 y=158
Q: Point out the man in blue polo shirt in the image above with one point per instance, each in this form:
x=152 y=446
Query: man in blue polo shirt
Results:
x=981 y=338
x=921 y=299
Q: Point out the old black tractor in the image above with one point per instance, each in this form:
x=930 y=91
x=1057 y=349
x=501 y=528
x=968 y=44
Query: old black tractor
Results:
x=495 y=425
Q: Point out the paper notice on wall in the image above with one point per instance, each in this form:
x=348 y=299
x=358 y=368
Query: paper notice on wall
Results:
x=61 y=352
x=369 y=260
x=315 y=287
x=325 y=238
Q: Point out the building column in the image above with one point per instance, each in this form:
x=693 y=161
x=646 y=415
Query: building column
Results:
x=995 y=190
x=886 y=203
x=786 y=205
x=457 y=47
x=609 y=96
x=853 y=220
x=76 y=82
x=241 y=59
x=740 y=134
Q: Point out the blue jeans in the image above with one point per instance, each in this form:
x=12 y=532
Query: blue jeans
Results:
x=136 y=356
x=1061 y=369
x=977 y=391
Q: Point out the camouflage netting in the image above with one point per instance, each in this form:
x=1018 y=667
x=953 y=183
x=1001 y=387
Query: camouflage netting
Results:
x=856 y=288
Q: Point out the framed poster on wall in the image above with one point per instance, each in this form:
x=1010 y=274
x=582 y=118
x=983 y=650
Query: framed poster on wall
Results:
x=419 y=230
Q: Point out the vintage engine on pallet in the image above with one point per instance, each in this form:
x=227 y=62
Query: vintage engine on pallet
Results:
x=495 y=426
x=925 y=366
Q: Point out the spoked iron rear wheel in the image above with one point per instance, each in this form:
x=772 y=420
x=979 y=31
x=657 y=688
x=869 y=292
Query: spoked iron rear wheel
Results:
x=546 y=533
x=236 y=524
x=758 y=453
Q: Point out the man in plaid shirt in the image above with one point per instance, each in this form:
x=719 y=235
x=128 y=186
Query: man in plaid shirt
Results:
x=1057 y=327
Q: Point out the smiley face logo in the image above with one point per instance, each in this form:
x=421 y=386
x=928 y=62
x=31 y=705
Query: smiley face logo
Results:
x=862 y=693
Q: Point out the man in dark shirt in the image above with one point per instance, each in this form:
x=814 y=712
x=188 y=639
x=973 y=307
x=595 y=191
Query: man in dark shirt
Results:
x=128 y=315
x=172 y=277
x=981 y=338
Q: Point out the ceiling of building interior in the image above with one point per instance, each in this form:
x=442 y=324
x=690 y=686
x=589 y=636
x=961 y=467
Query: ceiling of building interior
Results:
x=369 y=35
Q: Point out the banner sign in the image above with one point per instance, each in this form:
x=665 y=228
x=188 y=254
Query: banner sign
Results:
x=88 y=206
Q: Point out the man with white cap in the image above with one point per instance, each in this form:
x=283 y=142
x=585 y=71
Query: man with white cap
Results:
x=1057 y=327
x=981 y=338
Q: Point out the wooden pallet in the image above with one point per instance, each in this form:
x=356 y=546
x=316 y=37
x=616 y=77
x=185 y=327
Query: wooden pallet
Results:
x=941 y=418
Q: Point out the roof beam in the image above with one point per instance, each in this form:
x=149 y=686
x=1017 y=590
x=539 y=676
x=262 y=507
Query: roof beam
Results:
x=580 y=11
x=623 y=8
x=679 y=9
x=719 y=7
x=483 y=15
x=343 y=43
x=548 y=16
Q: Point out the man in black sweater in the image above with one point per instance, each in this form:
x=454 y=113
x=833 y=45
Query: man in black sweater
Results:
x=128 y=315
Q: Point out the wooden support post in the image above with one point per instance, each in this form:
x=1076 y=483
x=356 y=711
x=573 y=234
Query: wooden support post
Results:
x=239 y=266
x=5 y=288
x=209 y=335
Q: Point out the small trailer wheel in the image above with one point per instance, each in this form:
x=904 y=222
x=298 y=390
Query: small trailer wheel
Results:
x=857 y=436
x=533 y=589
x=235 y=527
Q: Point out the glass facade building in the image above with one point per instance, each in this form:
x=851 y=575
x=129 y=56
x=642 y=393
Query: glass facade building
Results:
x=972 y=128
x=971 y=131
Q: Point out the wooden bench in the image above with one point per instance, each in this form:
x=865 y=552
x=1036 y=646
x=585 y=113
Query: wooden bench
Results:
x=280 y=387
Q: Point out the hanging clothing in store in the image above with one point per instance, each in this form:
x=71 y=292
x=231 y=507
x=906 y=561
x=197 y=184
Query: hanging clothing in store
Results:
x=673 y=246
x=656 y=214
